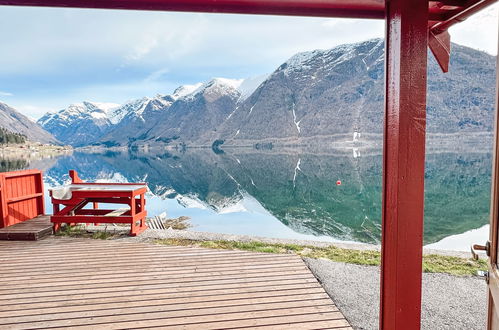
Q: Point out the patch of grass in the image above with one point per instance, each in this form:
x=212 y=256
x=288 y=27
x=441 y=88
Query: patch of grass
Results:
x=103 y=235
x=70 y=231
x=80 y=231
x=251 y=246
x=431 y=263
x=358 y=257
x=434 y=263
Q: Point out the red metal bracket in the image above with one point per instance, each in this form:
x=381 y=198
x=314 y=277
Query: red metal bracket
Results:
x=74 y=177
x=439 y=44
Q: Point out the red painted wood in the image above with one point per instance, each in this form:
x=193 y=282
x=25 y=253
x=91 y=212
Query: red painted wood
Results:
x=95 y=218
x=74 y=177
x=73 y=209
x=21 y=196
x=403 y=164
x=97 y=212
x=114 y=183
x=323 y=8
x=331 y=8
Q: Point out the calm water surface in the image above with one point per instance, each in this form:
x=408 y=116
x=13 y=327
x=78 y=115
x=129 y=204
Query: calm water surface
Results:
x=291 y=195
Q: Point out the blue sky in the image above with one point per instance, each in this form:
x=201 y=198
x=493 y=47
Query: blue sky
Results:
x=50 y=57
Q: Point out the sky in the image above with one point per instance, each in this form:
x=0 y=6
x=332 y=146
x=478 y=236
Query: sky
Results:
x=51 y=57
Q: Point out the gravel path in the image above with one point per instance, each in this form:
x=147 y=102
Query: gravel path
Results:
x=449 y=302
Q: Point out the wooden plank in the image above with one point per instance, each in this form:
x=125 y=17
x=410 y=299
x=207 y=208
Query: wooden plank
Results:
x=155 y=264
x=80 y=251
x=37 y=282
x=331 y=324
x=145 y=255
x=276 y=322
x=189 y=308
x=160 y=295
x=190 y=301
x=110 y=273
x=145 y=262
x=29 y=230
x=300 y=273
x=20 y=173
x=216 y=257
x=175 y=318
x=23 y=198
x=103 y=247
x=126 y=287
x=160 y=289
x=148 y=256
x=59 y=284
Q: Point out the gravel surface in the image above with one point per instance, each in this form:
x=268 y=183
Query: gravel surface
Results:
x=449 y=302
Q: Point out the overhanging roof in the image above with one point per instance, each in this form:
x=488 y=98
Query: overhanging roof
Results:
x=439 y=11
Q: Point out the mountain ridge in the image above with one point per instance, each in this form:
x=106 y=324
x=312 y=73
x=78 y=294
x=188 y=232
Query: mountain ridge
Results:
x=15 y=122
x=330 y=94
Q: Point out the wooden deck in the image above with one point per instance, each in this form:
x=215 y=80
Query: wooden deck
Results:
x=29 y=230
x=62 y=282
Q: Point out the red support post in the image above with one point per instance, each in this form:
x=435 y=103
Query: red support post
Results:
x=403 y=163
x=74 y=177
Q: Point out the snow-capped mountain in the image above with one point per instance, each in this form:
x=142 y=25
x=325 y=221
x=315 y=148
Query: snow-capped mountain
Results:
x=190 y=117
x=134 y=117
x=79 y=123
x=185 y=90
x=333 y=94
x=113 y=124
x=329 y=95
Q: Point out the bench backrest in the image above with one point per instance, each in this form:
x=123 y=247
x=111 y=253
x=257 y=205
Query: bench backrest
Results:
x=21 y=196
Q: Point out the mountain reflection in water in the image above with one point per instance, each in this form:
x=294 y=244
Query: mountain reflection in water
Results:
x=247 y=191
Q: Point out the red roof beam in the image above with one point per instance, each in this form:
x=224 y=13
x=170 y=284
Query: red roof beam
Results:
x=451 y=3
x=461 y=15
x=323 y=8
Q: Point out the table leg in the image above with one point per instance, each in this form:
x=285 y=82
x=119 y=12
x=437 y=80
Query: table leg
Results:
x=96 y=207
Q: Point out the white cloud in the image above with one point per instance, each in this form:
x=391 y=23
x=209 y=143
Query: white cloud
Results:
x=145 y=47
x=479 y=31
x=5 y=94
x=70 y=55
x=156 y=75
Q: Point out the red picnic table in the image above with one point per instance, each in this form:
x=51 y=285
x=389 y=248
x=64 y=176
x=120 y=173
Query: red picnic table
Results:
x=69 y=203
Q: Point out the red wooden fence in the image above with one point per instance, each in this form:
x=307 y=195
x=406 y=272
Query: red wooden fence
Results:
x=21 y=196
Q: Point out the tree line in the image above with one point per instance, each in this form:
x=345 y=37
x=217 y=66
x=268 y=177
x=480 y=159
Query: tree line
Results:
x=7 y=137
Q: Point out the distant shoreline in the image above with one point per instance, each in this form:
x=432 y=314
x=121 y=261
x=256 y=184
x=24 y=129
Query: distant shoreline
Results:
x=370 y=144
x=33 y=150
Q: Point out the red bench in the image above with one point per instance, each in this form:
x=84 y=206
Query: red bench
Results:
x=69 y=203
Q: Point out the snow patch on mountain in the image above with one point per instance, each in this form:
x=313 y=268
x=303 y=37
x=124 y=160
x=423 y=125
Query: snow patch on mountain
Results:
x=106 y=106
x=76 y=112
x=217 y=86
x=190 y=201
x=306 y=60
x=185 y=90
x=249 y=85
x=133 y=106
x=245 y=203
x=245 y=87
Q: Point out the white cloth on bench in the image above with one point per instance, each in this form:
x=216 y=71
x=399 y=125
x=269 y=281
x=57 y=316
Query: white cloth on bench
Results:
x=66 y=192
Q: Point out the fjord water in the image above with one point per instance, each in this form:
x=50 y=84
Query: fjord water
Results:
x=288 y=194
